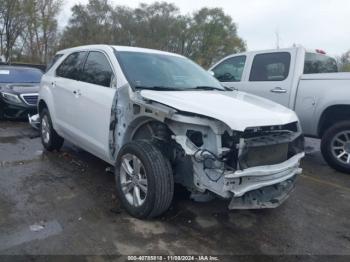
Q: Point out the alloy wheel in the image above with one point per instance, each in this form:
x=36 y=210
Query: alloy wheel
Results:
x=340 y=147
x=133 y=180
x=45 y=129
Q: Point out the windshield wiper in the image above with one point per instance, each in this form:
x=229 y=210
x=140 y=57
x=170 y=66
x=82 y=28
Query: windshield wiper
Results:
x=168 y=88
x=159 y=88
x=207 y=88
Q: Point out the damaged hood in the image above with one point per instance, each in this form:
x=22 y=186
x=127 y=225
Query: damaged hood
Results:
x=238 y=110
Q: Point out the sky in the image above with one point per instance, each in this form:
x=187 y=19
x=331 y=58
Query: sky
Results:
x=315 y=24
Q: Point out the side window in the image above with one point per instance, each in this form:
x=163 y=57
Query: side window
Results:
x=70 y=67
x=97 y=70
x=270 y=67
x=230 y=70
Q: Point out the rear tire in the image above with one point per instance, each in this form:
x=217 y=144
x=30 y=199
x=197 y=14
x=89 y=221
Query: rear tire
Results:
x=49 y=138
x=144 y=180
x=335 y=146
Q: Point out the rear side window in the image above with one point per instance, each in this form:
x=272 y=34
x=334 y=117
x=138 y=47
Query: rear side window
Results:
x=97 y=70
x=230 y=70
x=71 y=66
x=319 y=63
x=270 y=67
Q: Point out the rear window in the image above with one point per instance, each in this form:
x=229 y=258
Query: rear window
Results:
x=71 y=66
x=20 y=75
x=319 y=63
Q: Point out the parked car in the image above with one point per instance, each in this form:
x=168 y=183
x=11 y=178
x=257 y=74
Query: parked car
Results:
x=19 y=88
x=41 y=67
x=161 y=119
x=307 y=82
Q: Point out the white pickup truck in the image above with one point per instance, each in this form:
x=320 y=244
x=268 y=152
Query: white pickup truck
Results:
x=307 y=82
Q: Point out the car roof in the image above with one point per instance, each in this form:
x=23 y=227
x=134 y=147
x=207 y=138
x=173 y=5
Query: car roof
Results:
x=117 y=48
x=142 y=50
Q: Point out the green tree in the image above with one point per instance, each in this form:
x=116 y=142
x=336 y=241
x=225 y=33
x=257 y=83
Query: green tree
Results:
x=212 y=36
x=206 y=36
x=157 y=26
x=40 y=36
x=28 y=29
x=12 y=24
x=89 y=24
x=123 y=26
x=344 y=62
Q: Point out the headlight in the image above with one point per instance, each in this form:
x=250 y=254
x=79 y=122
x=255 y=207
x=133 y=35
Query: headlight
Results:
x=12 y=98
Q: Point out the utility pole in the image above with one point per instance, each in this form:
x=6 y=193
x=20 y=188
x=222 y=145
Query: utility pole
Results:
x=277 y=39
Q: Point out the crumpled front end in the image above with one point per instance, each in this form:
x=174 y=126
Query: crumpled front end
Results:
x=256 y=168
x=264 y=186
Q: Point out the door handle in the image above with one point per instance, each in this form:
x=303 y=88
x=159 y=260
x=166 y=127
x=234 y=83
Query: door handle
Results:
x=279 y=90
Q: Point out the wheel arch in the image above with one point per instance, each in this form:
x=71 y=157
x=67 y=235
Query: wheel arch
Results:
x=122 y=134
x=41 y=105
x=143 y=128
x=331 y=115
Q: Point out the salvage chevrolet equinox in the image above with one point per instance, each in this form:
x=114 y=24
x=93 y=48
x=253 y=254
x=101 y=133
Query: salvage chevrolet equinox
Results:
x=161 y=119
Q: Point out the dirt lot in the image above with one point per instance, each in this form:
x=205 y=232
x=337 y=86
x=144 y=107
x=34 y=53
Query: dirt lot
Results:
x=64 y=203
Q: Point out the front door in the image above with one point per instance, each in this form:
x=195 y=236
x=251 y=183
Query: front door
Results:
x=270 y=77
x=95 y=99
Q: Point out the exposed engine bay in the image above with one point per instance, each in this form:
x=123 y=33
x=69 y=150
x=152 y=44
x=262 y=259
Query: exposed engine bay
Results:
x=256 y=168
x=248 y=161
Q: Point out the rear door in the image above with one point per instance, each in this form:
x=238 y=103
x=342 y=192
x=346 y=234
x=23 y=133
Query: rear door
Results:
x=271 y=76
x=63 y=89
x=95 y=98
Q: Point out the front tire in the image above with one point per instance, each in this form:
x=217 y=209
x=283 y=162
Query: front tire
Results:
x=335 y=146
x=144 y=180
x=49 y=138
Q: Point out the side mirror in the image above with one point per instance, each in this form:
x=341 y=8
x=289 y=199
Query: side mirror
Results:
x=211 y=72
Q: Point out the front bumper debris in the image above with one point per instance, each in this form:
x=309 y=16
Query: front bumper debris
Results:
x=34 y=121
x=266 y=197
x=243 y=181
x=263 y=187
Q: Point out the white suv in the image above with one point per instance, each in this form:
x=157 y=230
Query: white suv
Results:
x=161 y=119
